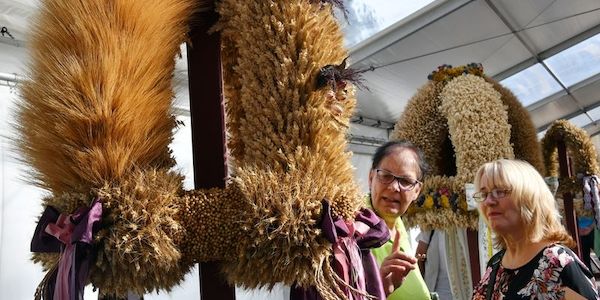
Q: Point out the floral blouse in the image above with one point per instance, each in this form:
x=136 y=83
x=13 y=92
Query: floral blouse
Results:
x=543 y=277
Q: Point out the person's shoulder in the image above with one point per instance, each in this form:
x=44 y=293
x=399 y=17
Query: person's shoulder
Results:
x=560 y=256
x=562 y=252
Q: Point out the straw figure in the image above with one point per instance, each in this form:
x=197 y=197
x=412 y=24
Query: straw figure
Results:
x=461 y=119
x=96 y=122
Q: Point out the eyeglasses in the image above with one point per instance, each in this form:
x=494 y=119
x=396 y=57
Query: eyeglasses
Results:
x=405 y=183
x=495 y=193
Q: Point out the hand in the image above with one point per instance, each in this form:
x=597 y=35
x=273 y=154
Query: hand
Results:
x=395 y=267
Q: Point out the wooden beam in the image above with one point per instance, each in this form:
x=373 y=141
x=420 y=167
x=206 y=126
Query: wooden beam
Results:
x=473 y=242
x=208 y=130
x=570 y=214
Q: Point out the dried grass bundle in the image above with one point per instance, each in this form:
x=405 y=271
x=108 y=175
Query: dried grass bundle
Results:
x=212 y=220
x=460 y=119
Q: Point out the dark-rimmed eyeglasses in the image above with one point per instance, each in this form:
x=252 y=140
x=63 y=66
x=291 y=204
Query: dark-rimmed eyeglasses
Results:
x=495 y=193
x=404 y=182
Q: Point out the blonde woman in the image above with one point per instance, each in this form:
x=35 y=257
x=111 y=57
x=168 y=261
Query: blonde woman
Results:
x=535 y=261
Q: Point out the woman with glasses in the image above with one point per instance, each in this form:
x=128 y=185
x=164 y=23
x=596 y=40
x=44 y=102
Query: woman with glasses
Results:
x=394 y=182
x=535 y=261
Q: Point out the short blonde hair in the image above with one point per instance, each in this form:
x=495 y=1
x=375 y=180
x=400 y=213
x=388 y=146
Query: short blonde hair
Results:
x=531 y=195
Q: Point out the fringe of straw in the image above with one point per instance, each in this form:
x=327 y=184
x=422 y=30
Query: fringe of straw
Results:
x=42 y=289
x=328 y=284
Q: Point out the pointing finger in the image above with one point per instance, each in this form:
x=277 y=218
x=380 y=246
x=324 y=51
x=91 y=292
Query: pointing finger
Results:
x=396 y=245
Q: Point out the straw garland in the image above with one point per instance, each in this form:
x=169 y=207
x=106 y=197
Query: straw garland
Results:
x=581 y=149
x=105 y=121
x=577 y=141
x=289 y=139
x=461 y=119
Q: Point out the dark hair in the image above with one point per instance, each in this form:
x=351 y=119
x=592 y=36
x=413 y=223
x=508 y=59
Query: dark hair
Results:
x=387 y=148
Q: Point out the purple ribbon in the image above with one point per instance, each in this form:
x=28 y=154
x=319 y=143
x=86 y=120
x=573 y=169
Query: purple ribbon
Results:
x=72 y=236
x=352 y=258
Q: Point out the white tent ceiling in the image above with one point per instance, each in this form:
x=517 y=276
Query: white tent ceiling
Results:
x=509 y=37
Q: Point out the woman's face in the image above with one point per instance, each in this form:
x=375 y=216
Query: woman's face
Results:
x=389 y=200
x=502 y=213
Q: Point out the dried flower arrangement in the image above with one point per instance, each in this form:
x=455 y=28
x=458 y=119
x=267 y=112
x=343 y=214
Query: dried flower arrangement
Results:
x=461 y=119
x=82 y=132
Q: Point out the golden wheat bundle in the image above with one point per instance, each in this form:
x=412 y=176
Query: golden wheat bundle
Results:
x=96 y=121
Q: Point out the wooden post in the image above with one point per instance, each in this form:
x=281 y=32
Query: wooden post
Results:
x=208 y=130
x=473 y=241
x=570 y=214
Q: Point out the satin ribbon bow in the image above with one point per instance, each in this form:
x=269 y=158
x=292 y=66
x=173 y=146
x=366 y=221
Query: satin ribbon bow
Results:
x=352 y=259
x=71 y=236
